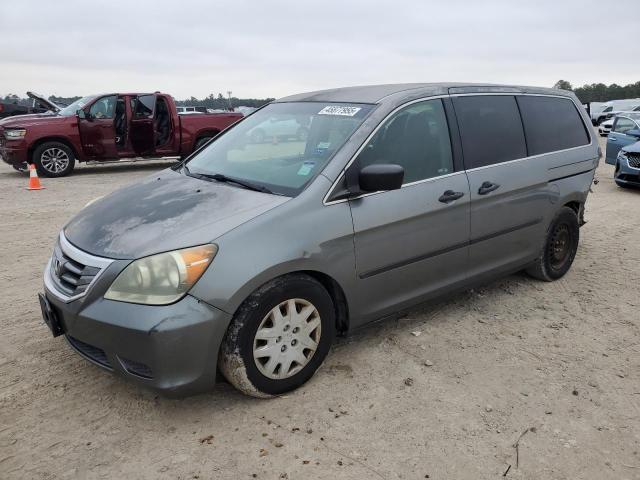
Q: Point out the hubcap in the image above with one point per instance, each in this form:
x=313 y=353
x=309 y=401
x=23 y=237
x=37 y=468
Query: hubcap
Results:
x=287 y=338
x=560 y=246
x=54 y=160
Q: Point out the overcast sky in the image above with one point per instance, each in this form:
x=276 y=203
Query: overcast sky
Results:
x=273 y=48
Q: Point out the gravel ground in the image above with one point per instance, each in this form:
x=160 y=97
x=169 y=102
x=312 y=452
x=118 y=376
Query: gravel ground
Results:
x=519 y=379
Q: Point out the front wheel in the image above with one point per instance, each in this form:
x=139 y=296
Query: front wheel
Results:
x=54 y=159
x=560 y=247
x=279 y=337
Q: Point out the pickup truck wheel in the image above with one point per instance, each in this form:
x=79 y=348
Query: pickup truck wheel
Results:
x=279 y=337
x=201 y=141
x=559 y=248
x=54 y=159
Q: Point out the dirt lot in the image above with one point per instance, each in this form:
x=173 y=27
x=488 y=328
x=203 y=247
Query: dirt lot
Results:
x=551 y=367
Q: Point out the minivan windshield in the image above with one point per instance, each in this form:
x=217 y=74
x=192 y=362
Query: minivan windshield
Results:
x=282 y=146
x=75 y=106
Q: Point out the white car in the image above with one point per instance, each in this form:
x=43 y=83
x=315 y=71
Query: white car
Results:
x=605 y=127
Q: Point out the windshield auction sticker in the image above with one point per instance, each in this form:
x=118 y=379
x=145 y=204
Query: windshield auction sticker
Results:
x=339 y=110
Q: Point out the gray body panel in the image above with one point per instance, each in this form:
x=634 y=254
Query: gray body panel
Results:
x=385 y=251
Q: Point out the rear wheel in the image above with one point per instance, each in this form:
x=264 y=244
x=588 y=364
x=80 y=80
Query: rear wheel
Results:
x=279 y=336
x=201 y=141
x=560 y=247
x=54 y=159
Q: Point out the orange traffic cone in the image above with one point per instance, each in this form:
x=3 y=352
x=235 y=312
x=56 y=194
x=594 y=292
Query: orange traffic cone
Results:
x=34 y=181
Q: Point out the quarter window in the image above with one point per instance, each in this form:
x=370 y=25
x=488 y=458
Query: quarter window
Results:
x=490 y=128
x=551 y=124
x=417 y=138
x=623 y=125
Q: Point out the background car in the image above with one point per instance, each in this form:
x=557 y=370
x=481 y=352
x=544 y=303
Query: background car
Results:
x=39 y=104
x=280 y=129
x=605 y=127
x=627 y=172
x=625 y=132
x=614 y=107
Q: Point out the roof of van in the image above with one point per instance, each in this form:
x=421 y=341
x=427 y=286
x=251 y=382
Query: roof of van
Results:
x=378 y=93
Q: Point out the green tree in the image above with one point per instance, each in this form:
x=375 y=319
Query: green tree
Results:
x=563 y=85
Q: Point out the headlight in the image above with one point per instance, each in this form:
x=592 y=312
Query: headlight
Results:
x=621 y=155
x=163 y=278
x=14 y=133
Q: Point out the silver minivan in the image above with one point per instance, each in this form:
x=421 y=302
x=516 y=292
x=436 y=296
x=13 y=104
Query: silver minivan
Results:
x=249 y=257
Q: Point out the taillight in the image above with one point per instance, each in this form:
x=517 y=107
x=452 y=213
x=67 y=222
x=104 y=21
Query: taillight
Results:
x=1 y=107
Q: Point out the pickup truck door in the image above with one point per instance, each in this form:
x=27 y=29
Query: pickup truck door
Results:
x=141 y=131
x=97 y=129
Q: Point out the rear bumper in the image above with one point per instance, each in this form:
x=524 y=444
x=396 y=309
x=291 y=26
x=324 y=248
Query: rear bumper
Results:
x=14 y=152
x=172 y=349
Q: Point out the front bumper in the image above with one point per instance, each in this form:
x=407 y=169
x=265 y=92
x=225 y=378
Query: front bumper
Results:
x=625 y=174
x=172 y=349
x=13 y=152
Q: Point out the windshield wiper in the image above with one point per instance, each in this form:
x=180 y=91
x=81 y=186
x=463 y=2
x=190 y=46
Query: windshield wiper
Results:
x=219 y=177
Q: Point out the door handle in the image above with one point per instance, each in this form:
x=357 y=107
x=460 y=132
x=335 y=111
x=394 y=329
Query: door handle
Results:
x=487 y=187
x=450 y=196
x=612 y=138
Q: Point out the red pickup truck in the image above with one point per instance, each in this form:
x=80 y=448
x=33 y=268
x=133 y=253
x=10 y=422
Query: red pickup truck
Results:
x=106 y=127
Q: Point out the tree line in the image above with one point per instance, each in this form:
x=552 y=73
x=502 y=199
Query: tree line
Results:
x=599 y=92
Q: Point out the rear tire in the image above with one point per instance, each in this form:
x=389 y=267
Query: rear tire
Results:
x=279 y=336
x=201 y=141
x=54 y=159
x=559 y=248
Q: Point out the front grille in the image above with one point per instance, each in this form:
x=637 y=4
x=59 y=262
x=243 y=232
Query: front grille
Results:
x=72 y=271
x=137 y=368
x=69 y=275
x=634 y=159
x=92 y=353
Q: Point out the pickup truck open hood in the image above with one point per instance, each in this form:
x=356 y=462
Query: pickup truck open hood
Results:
x=166 y=211
x=44 y=102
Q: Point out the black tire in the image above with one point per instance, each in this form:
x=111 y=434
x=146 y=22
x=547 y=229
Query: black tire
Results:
x=560 y=247
x=236 y=361
x=258 y=136
x=200 y=142
x=44 y=158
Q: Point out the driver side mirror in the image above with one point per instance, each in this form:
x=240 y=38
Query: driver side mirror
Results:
x=634 y=133
x=381 y=177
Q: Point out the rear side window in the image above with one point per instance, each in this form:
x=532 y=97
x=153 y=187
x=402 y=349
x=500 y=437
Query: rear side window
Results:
x=144 y=106
x=490 y=128
x=551 y=124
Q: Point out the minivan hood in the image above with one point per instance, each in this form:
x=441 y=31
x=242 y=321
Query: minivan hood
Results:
x=166 y=211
